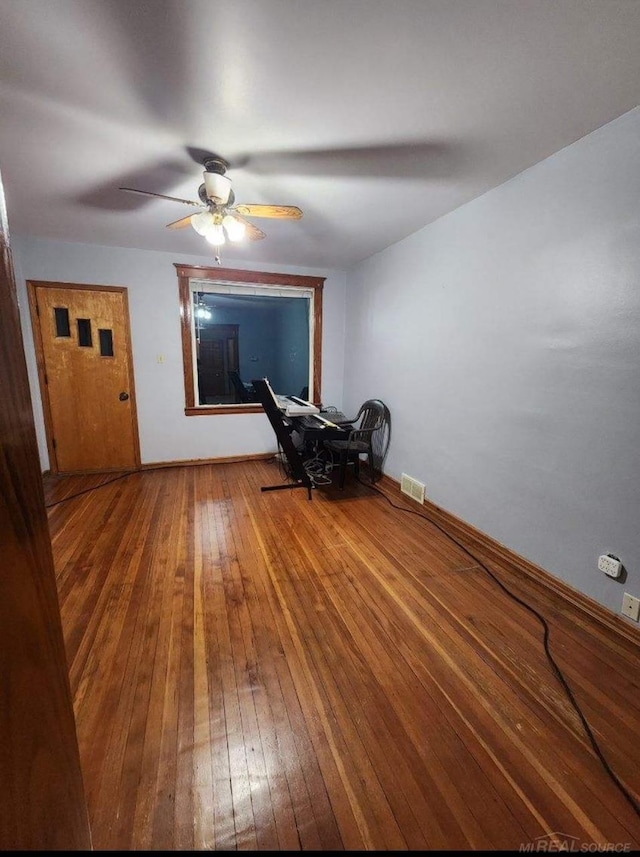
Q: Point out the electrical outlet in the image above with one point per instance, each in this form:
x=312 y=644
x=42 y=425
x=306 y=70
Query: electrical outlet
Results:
x=631 y=607
x=610 y=564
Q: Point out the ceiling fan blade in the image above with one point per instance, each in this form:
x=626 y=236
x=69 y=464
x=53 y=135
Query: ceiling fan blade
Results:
x=161 y=196
x=437 y=158
x=252 y=231
x=283 y=212
x=180 y=224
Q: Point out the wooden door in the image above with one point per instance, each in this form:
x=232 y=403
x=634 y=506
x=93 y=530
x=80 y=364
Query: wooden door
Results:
x=42 y=807
x=86 y=376
x=217 y=356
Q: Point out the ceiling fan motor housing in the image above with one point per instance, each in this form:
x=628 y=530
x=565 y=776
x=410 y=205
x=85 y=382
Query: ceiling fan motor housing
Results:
x=217 y=185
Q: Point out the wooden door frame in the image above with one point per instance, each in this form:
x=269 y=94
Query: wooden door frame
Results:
x=43 y=805
x=32 y=285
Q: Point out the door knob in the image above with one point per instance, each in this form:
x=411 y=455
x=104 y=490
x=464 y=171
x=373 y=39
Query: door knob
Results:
x=123 y=396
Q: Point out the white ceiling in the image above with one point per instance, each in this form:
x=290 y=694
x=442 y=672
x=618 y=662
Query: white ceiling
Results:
x=373 y=116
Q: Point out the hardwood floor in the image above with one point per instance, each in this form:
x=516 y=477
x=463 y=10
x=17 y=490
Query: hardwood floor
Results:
x=259 y=671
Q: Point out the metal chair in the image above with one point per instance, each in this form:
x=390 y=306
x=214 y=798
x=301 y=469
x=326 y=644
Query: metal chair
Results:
x=369 y=435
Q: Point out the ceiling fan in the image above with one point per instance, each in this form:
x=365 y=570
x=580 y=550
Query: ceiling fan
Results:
x=219 y=217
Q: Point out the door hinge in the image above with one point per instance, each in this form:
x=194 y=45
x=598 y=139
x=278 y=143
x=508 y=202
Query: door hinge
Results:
x=38 y=309
x=46 y=379
x=53 y=443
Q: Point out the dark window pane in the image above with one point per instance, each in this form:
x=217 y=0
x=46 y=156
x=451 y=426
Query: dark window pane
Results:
x=242 y=337
x=84 y=332
x=62 y=321
x=106 y=342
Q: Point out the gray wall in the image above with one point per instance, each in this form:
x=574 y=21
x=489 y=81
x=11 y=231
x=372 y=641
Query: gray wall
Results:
x=505 y=339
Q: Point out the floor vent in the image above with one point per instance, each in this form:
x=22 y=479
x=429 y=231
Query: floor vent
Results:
x=412 y=488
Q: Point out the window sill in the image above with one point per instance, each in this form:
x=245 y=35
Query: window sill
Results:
x=217 y=410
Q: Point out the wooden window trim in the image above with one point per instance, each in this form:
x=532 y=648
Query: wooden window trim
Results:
x=234 y=275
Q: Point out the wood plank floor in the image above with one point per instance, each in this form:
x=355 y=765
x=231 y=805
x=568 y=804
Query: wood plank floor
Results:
x=259 y=671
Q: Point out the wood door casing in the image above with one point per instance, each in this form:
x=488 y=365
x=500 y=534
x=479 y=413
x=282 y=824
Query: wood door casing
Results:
x=88 y=392
x=43 y=803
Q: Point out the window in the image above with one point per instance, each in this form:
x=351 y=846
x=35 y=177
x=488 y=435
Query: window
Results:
x=63 y=327
x=85 y=339
x=241 y=325
x=105 y=336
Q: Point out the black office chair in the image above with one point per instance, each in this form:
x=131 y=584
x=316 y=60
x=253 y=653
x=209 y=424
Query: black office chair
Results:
x=243 y=393
x=369 y=435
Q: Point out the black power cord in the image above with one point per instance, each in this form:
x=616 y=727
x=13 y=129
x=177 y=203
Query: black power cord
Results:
x=129 y=473
x=556 y=669
x=101 y=485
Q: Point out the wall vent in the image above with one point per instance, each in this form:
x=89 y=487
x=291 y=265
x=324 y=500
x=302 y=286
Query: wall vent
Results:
x=412 y=488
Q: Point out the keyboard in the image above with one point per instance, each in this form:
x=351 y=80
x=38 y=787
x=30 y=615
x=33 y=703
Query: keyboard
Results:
x=314 y=428
x=334 y=416
x=293 y=406
x=314 y=421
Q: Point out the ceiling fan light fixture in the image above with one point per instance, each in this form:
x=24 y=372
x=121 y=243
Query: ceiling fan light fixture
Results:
x=235 y=228
x=218 y=187
x=215 y=235
x=202 y=222
x=219 y=218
